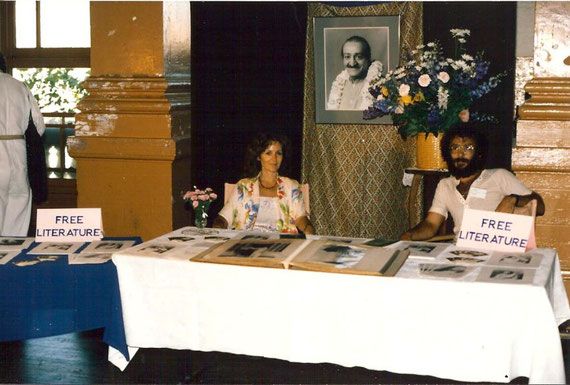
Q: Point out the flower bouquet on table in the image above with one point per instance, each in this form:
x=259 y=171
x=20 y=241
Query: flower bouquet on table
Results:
x=430 y=93
x=200 y=201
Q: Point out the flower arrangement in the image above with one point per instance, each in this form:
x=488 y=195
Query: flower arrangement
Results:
x=200 y=200
x=429 y=91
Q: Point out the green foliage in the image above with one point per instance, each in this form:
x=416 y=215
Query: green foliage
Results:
x=55 y=89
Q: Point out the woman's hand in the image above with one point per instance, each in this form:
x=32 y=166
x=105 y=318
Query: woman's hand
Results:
x=305 y=225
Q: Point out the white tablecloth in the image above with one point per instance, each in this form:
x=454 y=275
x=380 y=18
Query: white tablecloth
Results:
x=461 y=330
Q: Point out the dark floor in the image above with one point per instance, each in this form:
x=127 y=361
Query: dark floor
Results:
x=81 y=358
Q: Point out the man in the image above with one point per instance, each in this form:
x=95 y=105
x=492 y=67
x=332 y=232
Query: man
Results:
x=464 y=148
x=16 y=102
x=349 y=90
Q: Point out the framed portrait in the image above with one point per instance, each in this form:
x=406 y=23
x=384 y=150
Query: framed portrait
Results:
x=349 y=53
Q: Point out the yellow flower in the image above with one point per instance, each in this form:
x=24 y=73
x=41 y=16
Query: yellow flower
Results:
x=405 y=100
x=384 y=91
x=419 y=97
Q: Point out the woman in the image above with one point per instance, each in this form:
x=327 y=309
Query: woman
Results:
x=268 y=201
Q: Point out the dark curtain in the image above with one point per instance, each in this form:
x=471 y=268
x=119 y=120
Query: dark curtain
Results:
x=247 y=78
x=493 y=30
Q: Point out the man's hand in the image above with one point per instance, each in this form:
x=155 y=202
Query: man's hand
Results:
x=507 y=205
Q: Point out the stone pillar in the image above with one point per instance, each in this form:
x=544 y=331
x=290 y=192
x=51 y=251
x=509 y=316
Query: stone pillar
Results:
x=541 y=157
x=132 y=135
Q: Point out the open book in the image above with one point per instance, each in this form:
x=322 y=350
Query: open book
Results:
x=316 y=255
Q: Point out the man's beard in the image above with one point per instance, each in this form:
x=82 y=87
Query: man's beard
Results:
x=470 y=169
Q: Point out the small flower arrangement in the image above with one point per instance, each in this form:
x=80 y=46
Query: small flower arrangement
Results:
x=428 y=92
x=200 y=201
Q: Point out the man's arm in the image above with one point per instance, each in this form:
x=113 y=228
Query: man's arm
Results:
x=508 y=204
x=425 y=229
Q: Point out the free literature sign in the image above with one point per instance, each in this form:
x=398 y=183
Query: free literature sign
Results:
x=489 y=230
x=69 y=225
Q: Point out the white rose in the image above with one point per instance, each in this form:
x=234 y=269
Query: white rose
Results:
x=404 y=90
x=424 y=80
x=443 y=76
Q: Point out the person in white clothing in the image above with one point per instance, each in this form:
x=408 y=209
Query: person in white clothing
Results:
x=16 y=102
x=464 y=148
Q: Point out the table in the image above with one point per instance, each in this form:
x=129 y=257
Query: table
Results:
x=461 y=330
x=52 y=298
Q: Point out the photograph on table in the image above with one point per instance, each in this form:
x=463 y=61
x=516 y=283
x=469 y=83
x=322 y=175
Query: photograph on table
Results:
x=350 y=53
x=153 y=249
x=88 y=258
x=466 y=256
x=107 y=246
x=56 y=248
x=465 y=260
x=180 y=239
x=7 y=256
x=15 y=243
x=352 y=241
x=252 y=252
x=422 y=250
x=444 y=270
x=340 y=257
x=506 y=275
x=195 y=231
x=256 y=235
x=525 y=260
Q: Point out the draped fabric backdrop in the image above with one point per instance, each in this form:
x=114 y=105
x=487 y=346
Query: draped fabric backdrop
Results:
x=355 y=171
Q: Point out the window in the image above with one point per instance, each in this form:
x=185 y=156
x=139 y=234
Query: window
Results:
x=42 y=52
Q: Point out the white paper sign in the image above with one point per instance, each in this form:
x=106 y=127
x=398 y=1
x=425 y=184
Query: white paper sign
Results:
x=69 y=225
x=489 y=230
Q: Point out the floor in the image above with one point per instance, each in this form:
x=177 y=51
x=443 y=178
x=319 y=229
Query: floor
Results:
x=81 y=358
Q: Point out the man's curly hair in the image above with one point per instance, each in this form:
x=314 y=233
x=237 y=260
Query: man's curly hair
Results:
x=467 y=130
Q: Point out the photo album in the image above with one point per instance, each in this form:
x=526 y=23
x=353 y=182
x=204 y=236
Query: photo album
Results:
x=299 y=254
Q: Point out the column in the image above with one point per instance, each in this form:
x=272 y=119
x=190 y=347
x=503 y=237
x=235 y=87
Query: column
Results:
x=132 y=135
x=541 y=157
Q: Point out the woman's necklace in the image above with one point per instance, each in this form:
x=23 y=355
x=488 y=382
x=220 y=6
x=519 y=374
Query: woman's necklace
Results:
x=268 y=188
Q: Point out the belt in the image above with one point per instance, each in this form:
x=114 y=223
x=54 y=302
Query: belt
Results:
x=11 y=137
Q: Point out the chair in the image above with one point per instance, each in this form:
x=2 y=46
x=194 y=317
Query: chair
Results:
x=229 y=188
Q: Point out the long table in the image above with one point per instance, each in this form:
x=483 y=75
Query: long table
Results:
x=455 y=329
x=52 y=298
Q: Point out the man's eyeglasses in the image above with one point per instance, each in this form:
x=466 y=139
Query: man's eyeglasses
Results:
x=459 y=147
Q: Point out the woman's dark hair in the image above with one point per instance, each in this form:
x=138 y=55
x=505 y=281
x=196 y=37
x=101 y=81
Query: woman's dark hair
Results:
x=467 y=130
x=257 y=146
x=366 y=51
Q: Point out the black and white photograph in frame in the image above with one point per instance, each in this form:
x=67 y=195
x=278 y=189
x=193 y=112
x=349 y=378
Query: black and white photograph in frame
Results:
x=444 y=271
x=7 y=256
x=56 y=248
x=422 y=250
x=108 y=246
x=15 y=243
x=88 y=258
x=506 y=274
x=349 y=53
x=525 y=260
x=153 y=249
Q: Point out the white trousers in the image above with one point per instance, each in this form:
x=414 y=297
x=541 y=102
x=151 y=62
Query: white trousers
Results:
x=15 y=193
